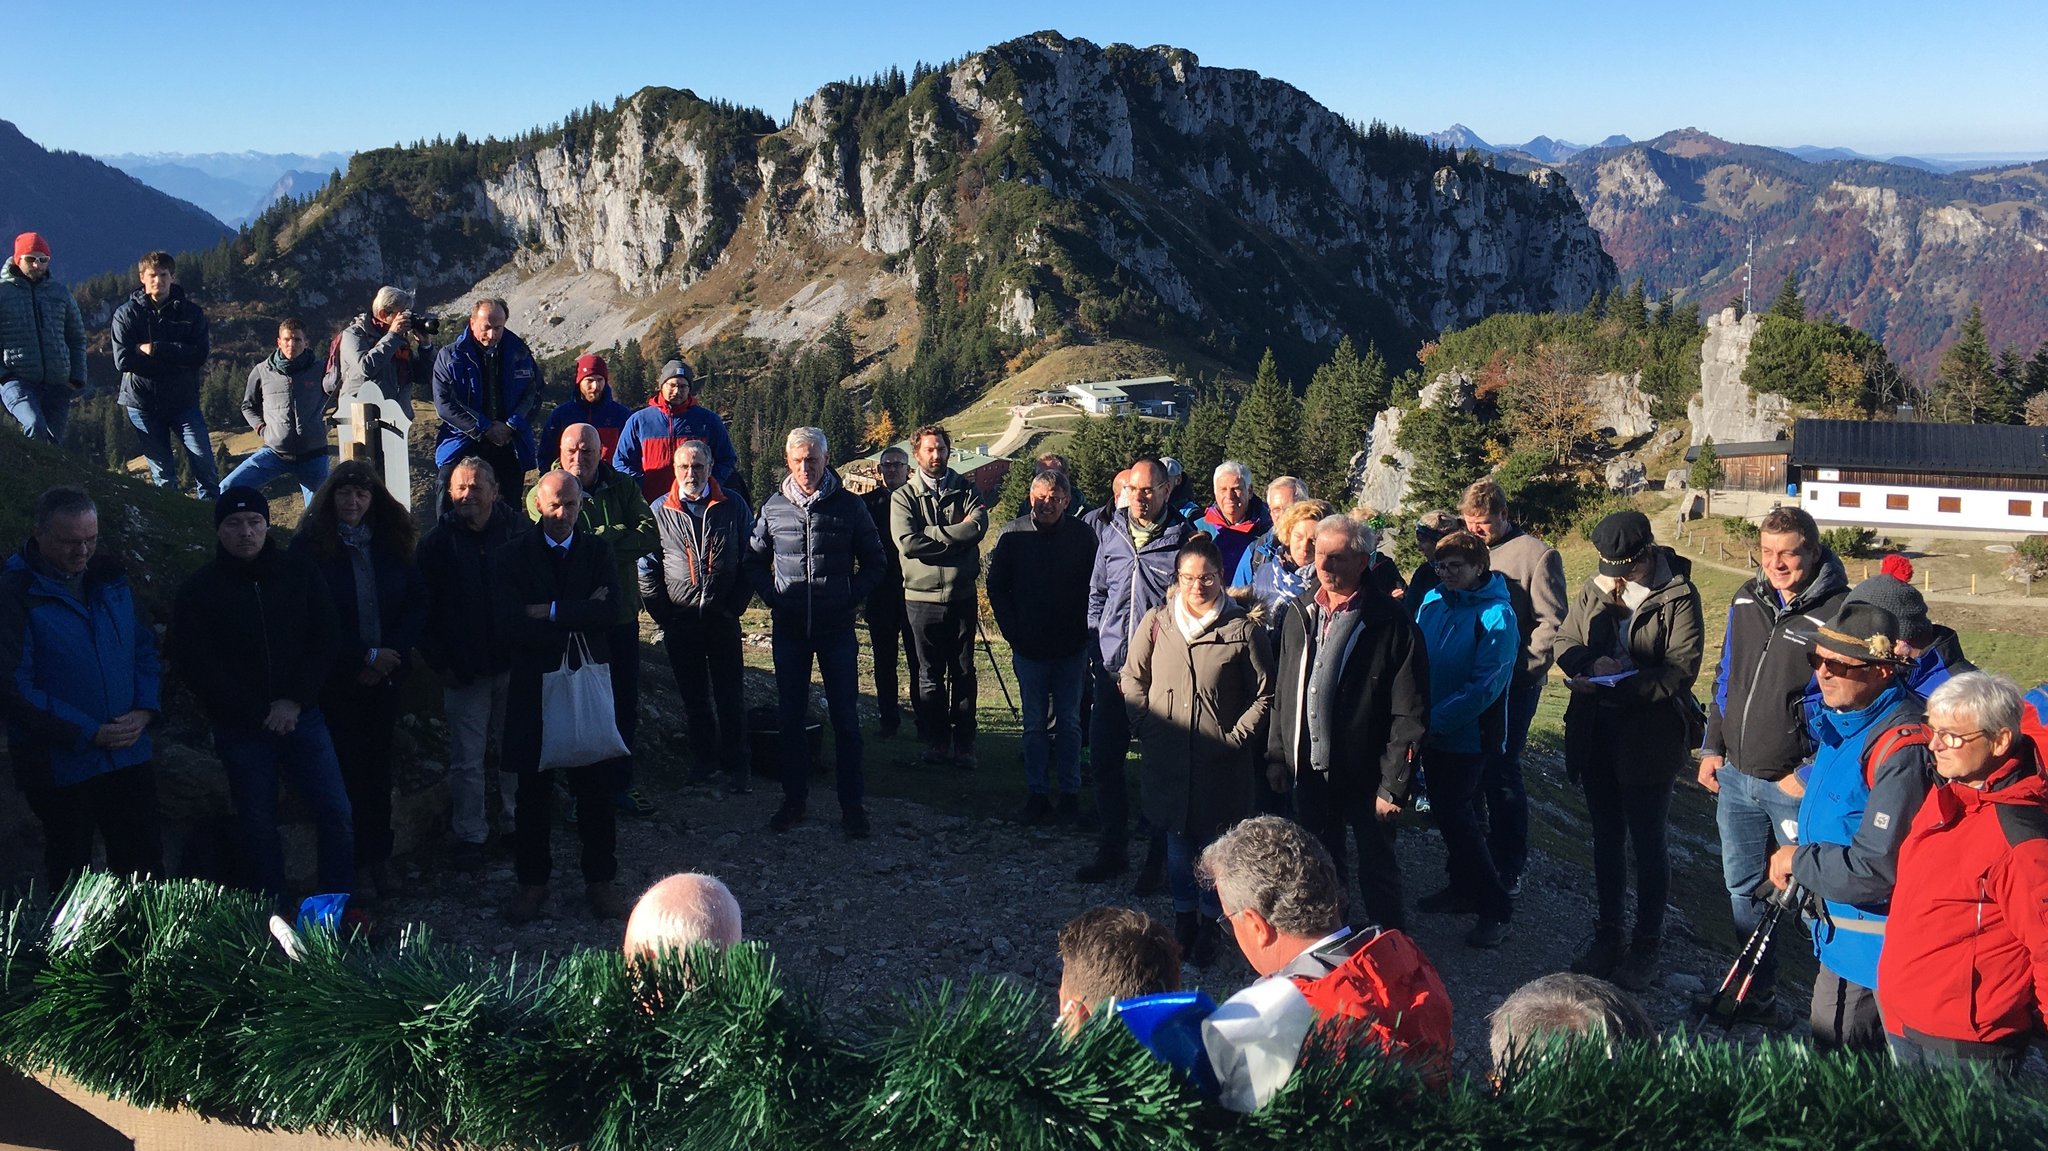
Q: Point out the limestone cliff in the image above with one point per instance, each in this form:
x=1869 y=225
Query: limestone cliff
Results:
x=1725 y=408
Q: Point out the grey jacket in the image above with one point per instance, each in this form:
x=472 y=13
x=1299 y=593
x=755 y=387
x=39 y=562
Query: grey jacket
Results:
x=938 y=530
x=288 y=407
x=1536 y=587
x=369 y=353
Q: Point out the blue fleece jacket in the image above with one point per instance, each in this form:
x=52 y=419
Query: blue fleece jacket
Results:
x=1473 y=644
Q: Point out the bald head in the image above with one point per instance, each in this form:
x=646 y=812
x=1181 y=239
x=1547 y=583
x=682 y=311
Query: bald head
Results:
x=582 y=452
x=559 y=499
x=680 y=912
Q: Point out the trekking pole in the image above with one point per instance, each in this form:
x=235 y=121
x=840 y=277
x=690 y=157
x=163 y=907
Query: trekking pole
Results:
x=1742 y=973
x=995 y=667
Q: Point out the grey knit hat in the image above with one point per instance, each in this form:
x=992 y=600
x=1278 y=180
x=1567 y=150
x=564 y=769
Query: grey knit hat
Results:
x=1903 y=600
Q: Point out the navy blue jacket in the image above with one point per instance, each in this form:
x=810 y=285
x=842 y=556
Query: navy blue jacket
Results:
x=401 y=605
x=459 y=395
x=70 y=666
x=166 y=380
x=1127 y=582
x=815 y=566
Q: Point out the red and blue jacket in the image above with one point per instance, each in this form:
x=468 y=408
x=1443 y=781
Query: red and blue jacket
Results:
x=647 y=447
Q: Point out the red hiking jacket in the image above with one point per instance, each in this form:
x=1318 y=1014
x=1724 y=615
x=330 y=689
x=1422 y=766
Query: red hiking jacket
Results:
x=1380 y=980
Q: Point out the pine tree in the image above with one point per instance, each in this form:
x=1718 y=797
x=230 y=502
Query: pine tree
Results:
x=1266 y=435
x=1634 y=307
x=1788 y=304
x=1707 y=473
x=1967 y=389
x=1204 y=438
x=841 y=423
x=2036 y=380
x=1343 y=397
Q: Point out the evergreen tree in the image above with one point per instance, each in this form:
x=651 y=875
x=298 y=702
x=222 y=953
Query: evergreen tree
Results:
x=2036 y=380
x=1634 y=307
x=1343 y=397
x=1707 y=473
x=1203 y=440
x=1266 y=435
x=1788 y=304
x=1967 y=388
x=837 y=344
x=1449 y=447
x=842 y=424
x=1104 y=446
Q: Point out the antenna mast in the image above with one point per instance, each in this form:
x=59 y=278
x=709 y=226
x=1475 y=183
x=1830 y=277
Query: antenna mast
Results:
x=1748 y=258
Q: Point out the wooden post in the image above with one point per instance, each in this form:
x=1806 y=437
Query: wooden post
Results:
x=1973 y=583
x=356 y=447
x=1927 y=579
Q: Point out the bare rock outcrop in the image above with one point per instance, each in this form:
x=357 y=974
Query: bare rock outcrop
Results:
x=1725 y=408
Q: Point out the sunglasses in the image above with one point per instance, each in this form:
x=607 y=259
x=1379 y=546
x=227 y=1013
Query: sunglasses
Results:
x=1842 y=667
x=34 y=259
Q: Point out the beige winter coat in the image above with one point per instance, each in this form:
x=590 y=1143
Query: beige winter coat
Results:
x=1199 y=710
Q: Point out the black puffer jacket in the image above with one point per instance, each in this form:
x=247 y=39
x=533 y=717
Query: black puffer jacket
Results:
x=462 y=639
x=245 y=633
x=1755 y=718
x=700 y=567
x=166 y=378
x=815 y=562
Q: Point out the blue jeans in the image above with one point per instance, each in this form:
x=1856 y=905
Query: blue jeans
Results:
x=43 y=412
x=265 y=465
x=1181 y=853
x=154 y=431
x=837 y=651
x=256 y=761
x=1502 y=795
x=1049 y=691
x=1754 y=815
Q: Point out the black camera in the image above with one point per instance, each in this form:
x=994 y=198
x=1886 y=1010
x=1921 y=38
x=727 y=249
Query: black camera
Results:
x=425 y=322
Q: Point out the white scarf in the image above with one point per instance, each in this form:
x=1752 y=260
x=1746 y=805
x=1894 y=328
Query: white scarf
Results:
x=1192 y=626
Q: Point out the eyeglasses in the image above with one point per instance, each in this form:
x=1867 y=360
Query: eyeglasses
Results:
x=1954 y=739
x=1198 y=581
x=1840 y=667
x=1223 y=921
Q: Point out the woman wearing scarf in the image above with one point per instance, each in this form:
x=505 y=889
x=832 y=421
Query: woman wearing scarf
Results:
x=1279 y=580
x=1630 y=650
x=362 y=541
x=1199 y=683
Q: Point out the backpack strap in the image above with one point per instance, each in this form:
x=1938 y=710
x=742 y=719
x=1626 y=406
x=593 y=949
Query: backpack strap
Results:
x=1890 y=742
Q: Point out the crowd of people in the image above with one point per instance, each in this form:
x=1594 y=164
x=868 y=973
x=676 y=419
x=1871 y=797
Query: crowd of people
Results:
x=1289 y=690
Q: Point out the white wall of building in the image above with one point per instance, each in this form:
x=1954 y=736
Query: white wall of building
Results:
x=1973 y=509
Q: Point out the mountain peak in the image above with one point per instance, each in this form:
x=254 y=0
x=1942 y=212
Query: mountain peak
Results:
x=1688 y=142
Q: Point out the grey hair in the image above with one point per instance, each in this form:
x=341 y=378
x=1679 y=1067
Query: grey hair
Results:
x=1557 y=1009
x=1357 y=537
x=390 y=299
x=814 y=436
x=1274 y=867
x=66 y=501
x=1054 y=479
x=1991 y=701
x=1290 y=483
x=681 y=911
x=1231 y=467
x=481 y=466
x=698 y=446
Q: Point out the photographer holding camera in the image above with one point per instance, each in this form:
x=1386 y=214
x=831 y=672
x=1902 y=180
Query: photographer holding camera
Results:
x=384 y=349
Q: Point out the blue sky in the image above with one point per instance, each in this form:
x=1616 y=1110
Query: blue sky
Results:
x=1880 y=77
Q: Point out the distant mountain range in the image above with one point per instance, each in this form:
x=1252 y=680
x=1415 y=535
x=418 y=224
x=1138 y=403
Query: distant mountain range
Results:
x=96 y=218
x=234 y=186
x=1547 y=150
x=1542 y=149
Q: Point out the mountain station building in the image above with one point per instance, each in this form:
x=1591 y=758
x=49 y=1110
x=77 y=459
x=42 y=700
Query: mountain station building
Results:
x=1899 y=474
x=1145 y=396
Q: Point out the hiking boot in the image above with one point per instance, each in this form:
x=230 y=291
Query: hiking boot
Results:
x=1489 y=933
x=1068 y=811
x=1638 y=967
x=1037 y=810
x=889 y=726
x=787 y=816
x=1152 y=876
x=1513 y=884
x=530 y=904
x=1760 y=1008
x=605 y=901
x=631 y=802
x=1109 y=862
x=1601 y=957
x=936 y=757
x=854 y=822
x=963 y=758
x=1447 y=901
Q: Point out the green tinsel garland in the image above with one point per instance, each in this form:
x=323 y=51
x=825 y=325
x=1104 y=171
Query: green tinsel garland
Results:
x=173 y=994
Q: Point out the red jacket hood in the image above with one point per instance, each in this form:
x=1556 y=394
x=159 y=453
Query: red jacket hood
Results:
x=684 y=403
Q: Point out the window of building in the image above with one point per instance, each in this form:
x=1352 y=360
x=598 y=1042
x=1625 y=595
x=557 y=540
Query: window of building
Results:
x=1949 y=505
x=1849 y=499
x=1895 y=502
x=2019 y=507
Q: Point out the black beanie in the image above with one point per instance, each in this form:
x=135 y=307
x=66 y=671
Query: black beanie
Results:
x=240 y=498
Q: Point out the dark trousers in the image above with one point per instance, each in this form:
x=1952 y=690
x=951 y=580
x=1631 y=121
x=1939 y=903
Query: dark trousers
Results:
x=944 y=637
x=257 y=761
x=120 y=805
x=1453 y=782
x=1109 y=738
x=1844 y=1015
x=596 y=823
x=1927 y=1053
x=361 y=720
x=505 y=466
x=1333 y=813
x=1625 y=816
x=624 y=641
x=837 y=651
x=1503 y=799
x=704 y=653
x=889 y=634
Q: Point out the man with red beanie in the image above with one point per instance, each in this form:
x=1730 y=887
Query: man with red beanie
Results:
x=592 y=404
x=42 y=342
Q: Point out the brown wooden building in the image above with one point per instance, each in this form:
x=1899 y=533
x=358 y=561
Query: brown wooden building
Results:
x=1757 y=466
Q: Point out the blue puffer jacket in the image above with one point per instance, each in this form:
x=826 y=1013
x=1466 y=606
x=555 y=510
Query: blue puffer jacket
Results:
x=165 y=380
x=1474 y=645
x=70 y=667
x=1129 y=581
x=1850 y=828
x=459 y=395
x=42 y=336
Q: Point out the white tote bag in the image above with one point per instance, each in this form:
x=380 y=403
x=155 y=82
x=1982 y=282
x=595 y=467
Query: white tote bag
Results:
x=577 y=724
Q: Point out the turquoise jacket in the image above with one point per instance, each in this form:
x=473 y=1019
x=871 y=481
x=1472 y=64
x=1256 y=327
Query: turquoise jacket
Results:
x=42 y=335
x=1474 y=645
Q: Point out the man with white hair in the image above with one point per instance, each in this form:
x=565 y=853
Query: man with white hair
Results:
x=1237 y=517
x=816 y=556
x=681 y=912
x=383 y=349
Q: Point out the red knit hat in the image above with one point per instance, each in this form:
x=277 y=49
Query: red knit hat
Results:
x=29 y=242
x=1898 y=567
x=588 y=366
